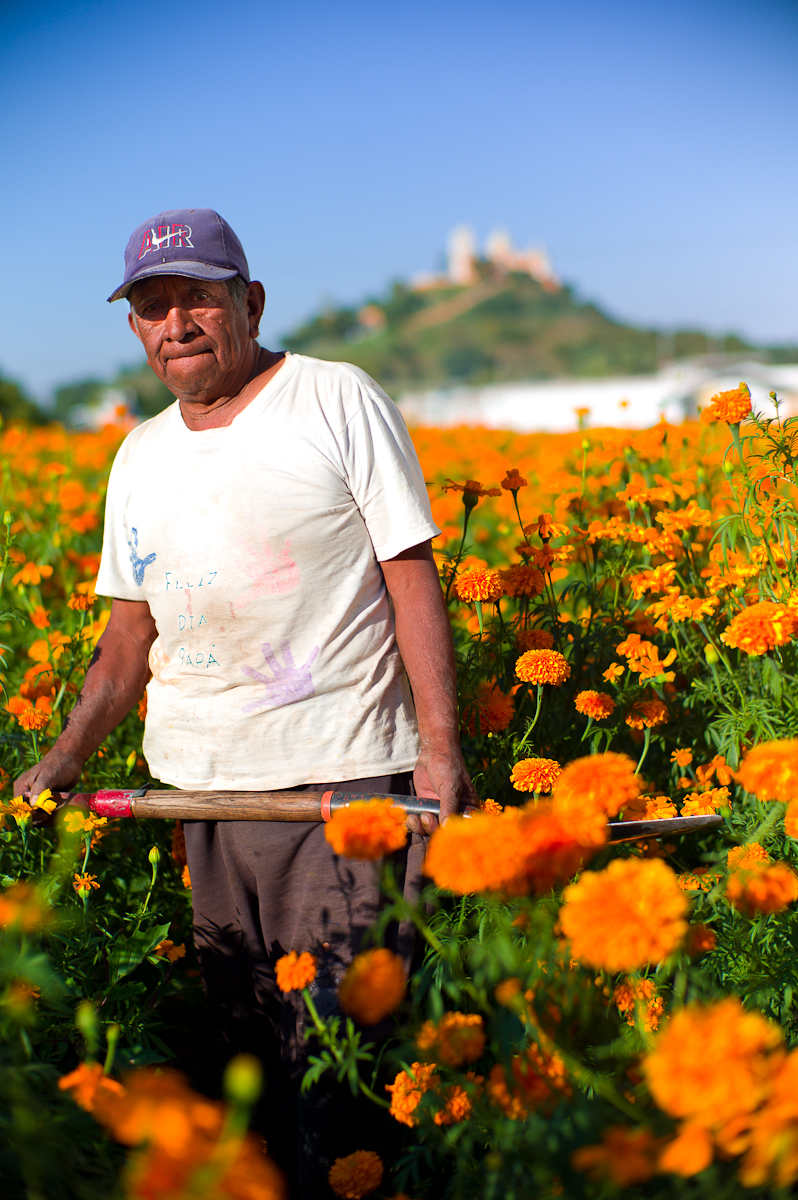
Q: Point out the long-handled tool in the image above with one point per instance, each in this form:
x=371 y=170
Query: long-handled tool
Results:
x=313 y=805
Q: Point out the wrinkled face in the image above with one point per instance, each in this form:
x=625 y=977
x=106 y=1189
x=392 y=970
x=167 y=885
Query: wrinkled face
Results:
x=196 y=339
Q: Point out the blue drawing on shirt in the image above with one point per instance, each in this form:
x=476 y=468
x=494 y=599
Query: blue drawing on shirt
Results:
x=139 y=564
x=289 y=684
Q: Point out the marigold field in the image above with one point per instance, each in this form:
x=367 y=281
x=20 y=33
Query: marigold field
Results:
x=590 y=1017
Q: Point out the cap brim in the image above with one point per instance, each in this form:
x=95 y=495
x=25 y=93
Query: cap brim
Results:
x=189 y=269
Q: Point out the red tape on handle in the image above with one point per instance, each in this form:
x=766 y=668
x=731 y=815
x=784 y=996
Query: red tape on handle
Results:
x=112 y=804
x=326 y=810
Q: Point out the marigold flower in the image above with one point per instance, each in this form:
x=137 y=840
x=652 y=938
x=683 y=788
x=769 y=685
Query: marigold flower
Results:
x=614 y=671
x=690 y=1151
x=545 y=527
x=535 y=774
x=522 y=580
x=761 y=627
x=86 y=1081
x=747 y=857
x=20 y=810
x=682 y=758
x=626 y=1156
x=40 y=618
x=32 y=574
x=81 y=822
x=700 y=880
x=625 y=917
x=167 y=949
x=294 y=972
x=367 y=829
x=407 y=1089
x=357 y=1175
x=457 y=1106
x=597 y=705
x=639 y=997
x=21 y=907
x=660 y=808
x=456 y=1039
x=84 y=883
x=763 y=888
x=731 y=407
x=186 y=877
x=33 y=720
x=479 y=583
x=770 y=770
x=491 y=707
x=542 y=666
x=536 y=1081
x=593 y=788
x=699 y=804
x=713 y=1063
x=647 y=714
x=490 y=805
x=791 y=820
x=771 y=1155
x=700 y=939
x=513 y=480
x=534 y=639
x=373 y=986
x=81 y=602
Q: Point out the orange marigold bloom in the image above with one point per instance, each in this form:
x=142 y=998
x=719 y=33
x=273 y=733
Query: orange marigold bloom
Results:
x=713 y=1063
x=747 y=857
x=536 y=1081
x=682 y=758
x=357 y=1175
x=513 y=480
x=614 y=671
x=516 y=852
x=699 y=804
x=660 y=808
x=761 y=627
x=373 y=986
x=40 y=617
x=185 y=877
x=522 y=580
x=596 y=787
x=167 y=949
x=689 y=1152
x=21 y=907
x=479 y=583
x=367 y=829
x=81 y=602
x=492 y=806
x=407 y=1090
x=700 y=939
x=457 y=1105
x=701 y=880
x=640 y=996
x=731 y=407
x=647 y=714
x=33 y=574
x=456 y=1039
x=85 y=883
x=494 y=710
x=791 y=820
x=763 y=888
x=535 y=774
x=295 y=971
x=626 y=1156
x=472 y=491
x=597 y=705
x=542 y=666
x=86 y=1081
x=534 y=639
x=770 y=770
x=625 y=917
x=772 y=1134
x=546 y=528
x=34 y=720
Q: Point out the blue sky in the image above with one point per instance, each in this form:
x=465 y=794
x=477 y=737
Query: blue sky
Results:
x=651 y=148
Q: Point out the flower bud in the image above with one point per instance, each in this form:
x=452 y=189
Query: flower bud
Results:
x=243 y=1080
x=130 y=761
x=7 y=518
x=711 y=654
x=154 y=856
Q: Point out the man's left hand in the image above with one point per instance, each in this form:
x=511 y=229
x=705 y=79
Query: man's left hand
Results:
x=441 y=774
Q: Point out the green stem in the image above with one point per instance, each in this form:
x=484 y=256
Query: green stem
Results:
x=646 y=744
x=523 y=741
x=459 y=555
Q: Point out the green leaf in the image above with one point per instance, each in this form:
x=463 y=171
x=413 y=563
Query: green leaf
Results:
x=128 y=952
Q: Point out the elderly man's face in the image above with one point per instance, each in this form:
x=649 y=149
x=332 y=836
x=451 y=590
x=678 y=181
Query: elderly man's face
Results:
x=196 y=338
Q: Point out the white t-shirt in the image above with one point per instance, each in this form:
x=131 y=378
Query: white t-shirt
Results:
x=257 y=548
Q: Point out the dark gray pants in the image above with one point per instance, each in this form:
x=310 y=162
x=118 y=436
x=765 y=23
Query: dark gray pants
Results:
x=259 y=890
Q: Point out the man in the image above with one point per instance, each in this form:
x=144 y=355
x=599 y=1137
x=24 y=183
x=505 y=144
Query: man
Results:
x=267 y=548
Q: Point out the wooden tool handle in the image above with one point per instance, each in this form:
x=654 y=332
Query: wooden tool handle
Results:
x=307 y=805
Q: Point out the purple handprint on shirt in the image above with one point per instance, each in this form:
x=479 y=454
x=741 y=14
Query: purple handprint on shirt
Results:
x=289 y=684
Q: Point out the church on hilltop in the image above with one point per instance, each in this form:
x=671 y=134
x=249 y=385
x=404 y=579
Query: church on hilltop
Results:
x=463 y=258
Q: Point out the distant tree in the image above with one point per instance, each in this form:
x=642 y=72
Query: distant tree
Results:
x=15 y=405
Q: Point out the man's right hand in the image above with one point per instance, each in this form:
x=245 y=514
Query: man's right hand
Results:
x=58 y=770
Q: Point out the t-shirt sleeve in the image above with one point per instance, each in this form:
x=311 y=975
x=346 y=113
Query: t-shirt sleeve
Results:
x=384 y=474
x=115 y=577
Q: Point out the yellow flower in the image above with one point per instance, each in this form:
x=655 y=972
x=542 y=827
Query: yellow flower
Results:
x=731 y=407
x=295 y=971
x=367 y=829
x=542 y=666
x=373 y=986
x=535 y=774
x=77 y=821
x=625 y=917
x=357 y=1175
x=479 y=583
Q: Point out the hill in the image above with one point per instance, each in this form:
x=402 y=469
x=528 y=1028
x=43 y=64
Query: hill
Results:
x=503 y=326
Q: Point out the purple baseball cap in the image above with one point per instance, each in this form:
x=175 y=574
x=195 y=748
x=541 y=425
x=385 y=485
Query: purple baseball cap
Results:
x=196 y=242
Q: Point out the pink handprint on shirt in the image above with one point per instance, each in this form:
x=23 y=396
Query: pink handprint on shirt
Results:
x=271 y=574
x=289 y=684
